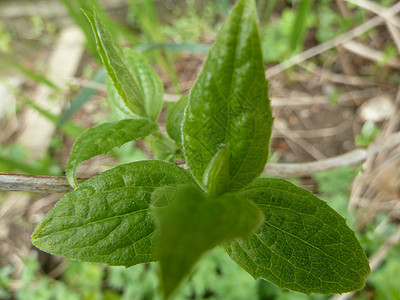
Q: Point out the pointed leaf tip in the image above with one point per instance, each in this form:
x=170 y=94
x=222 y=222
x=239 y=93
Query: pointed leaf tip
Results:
x=193 y=224
x=303 y=244
x=103 y=138
x=229 y=103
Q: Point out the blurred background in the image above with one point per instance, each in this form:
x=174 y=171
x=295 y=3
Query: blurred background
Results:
x=333 y=67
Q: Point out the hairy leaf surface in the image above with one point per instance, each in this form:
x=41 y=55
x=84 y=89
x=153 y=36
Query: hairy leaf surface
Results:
x=107 y=218
x=174 y=119
x=103 y=138
x=303 y=244
x=229 y=103
x=192 y=224
x=216 y=176
x=117 y=67
x=148 y=81
x=117 y=103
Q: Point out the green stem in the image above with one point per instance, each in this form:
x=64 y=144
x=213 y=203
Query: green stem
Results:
x=167 y=141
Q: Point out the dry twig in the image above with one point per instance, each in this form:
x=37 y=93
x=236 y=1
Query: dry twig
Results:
x=45 y=184
x=321 y=48
x=376 y=9
x=370 y=53
x=34 y=183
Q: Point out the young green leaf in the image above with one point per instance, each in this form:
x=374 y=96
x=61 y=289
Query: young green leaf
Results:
x=148 y=81
x=117 y=68
x=118 y=105
x=303 y=244
x=174 y=119
x=299 y=26
x=163 y=195
x=107 y=218
x=192 y=224
x=103 y=138
x=216 y=176
x=229 y=103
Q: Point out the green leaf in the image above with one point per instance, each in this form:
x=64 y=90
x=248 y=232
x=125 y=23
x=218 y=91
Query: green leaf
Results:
x=229 y=103
x=300 y=24
x=174 y=119
x=192 y=224
x=107 y=218
x=303 y=244
x=102 y=139
x=216 y=176
x=116 y=66
x=117 y=103
x=369 y=132
x=148 y=81
x=163 y=195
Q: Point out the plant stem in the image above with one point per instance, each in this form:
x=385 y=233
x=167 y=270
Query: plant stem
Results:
x=35 y=183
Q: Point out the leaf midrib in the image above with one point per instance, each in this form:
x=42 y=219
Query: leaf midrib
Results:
x=91 y=222
x=307 y=243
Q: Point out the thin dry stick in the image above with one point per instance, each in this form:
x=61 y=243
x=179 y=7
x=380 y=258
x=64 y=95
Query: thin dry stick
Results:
x=336 y=77
x=308 y=100
x=394 y=120
x=53 y=184
x=309 y=148
x=313 y=133
x=376 y=9
x=370 y=53
x=301 y=169
x=349 y=159
x=88 y=84
x=395 y=33
x=355 y=32
x=343 y=8
x=324 y=100
x=35 y=183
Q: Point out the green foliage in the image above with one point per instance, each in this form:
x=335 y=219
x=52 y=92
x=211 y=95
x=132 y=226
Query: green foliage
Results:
x=5 y=281
x=285 y=36
x=79 y=281
x=385 y=279
x=107 y=218
x=191 y=221
x=103 y=138
x=175 y=118
x=36 y=76
x=216 y=176
x=145 y=14
x=135 y=80
x=149 y=82
x=225 y=128
x=121 y=111
x=336 y=181
x=15 y=157
x=229 y=104
x=117 y=67
x=69 y=128
x=329 y=23
x=74 y=10
x=277 y=37
x=369 y=132
x=5 y=39
x=300 y=24
x=307 y=245
x=191 y=27
x=390 y=53
x=216 y=277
